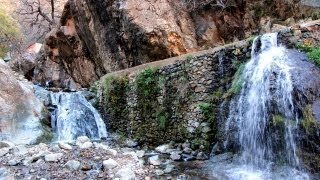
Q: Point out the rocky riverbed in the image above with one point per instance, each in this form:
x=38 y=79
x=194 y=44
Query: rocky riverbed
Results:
x=86 y=159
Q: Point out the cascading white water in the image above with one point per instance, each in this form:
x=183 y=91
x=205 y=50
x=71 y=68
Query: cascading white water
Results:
x=266 y=90
x=74 y=116
x=265 y=72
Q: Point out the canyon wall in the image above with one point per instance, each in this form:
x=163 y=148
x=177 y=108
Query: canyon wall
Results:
x=99 y=37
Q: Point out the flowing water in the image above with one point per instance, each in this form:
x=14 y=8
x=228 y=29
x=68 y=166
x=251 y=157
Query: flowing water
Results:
x=74 y=116
x=266 y=92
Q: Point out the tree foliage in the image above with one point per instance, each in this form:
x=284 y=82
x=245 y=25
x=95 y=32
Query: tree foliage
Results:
x=9 y=32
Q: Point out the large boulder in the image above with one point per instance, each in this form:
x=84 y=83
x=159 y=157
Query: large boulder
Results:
x=22 y=115
x=98 y=37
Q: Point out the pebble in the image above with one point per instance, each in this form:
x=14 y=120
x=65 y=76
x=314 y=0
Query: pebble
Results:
x=159 y=172
x=163 y=148
x=73 y=165
x=202 y=156
x=65 y=146
x=53 y=157
x=125 y=173
x=169 y=168
x=13 y=162
x=86 y=145
x=109 y=164
x=175 y=156
x=81 y=140
x=154 y=160
x=141 y=153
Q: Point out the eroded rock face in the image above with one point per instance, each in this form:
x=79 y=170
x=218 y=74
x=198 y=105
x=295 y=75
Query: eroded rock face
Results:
x=98 y=37
x=21 y=113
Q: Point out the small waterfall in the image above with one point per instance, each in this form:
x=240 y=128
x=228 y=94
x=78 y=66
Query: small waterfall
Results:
x=266 y=92
x=74 y=116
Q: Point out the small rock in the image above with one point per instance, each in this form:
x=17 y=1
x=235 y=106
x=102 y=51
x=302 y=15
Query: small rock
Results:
x=159 y=172
x=125 y=174
x=206 y=129
x=64 y=146
x=187 y=150
x=141 y=153
x=32 y=170
x=6 y=144
x=147 y=178
x=106 y=148
x=163 y=148
x=109 y=164
x=175 y=156
x=187 y=157
x=4 y=173
x=73 y=165
x=13 y=162
x=131 y=143
x=154 y=160
x=20 y=150
x=202 y=156
x=81 y=140
x=86 y=167
x=186 y=145
x=4 y=151
x=53 y=157
x=169 y=168
x=86 y=145
x=221 y=157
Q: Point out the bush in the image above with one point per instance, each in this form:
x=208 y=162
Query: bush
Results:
x=312 y=50
x=9 y=32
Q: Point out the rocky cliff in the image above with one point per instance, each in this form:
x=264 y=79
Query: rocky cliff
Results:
x=98 y=37
x=23 y=117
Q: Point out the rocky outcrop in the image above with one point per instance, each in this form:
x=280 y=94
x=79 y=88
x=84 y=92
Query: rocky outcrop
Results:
x=22 y=115
x=98 y=37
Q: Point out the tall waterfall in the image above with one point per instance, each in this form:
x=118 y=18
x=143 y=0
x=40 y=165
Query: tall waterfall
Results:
x=74 y=116
x=266 y=92
x=267 y=83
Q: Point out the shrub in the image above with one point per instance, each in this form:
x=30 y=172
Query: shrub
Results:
x=9 y=32
x=312 y=50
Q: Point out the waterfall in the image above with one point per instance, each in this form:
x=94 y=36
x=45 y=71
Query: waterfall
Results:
x=266 y=92
x=74 y=116
x=267 y=83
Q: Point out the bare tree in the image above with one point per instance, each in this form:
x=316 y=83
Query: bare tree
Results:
x=39 y=17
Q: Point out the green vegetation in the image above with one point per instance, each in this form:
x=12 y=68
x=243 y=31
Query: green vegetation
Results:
x=162 y=118
x=189 y=57
x=115 y=97
x=208 y=111
x=309 y=122
x=278 y=120
x=312 y=50
x=147 y=90
x=237 y=82
x=9 y=32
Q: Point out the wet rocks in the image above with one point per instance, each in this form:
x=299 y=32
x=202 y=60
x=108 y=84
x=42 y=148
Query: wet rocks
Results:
x=163 y=148
x=154 y=160
x=175 y=156
x=202 y=156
